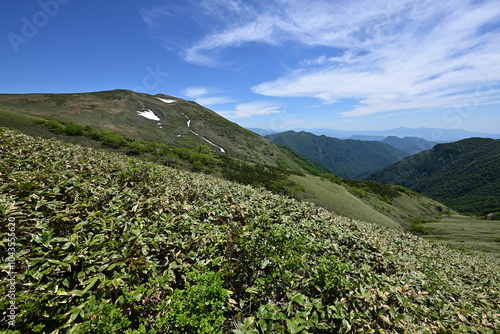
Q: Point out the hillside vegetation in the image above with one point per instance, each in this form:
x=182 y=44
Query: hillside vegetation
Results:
x=106 y=243
x=346 y=158
x=180 y=123
x=389 y=206
x=464 y=175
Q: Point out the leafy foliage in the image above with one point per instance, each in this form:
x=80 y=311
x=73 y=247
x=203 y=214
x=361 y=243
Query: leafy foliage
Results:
x=417 y=226
x=55 y=126
x=271 y=178
x=110 y=244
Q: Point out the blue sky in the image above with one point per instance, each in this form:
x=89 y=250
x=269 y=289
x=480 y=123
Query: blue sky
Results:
x=282 y=64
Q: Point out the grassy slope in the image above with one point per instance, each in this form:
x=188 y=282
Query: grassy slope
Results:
x=117 y=111
x=107 y=243
x=338 y=199
x=467 y=233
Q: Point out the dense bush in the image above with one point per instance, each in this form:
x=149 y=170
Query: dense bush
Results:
x=55 y=126
x=73 y=129
x=332 y=178
x=274 y=179
x=112 y=139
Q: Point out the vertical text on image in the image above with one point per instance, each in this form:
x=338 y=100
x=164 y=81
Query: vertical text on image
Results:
x=11 y=252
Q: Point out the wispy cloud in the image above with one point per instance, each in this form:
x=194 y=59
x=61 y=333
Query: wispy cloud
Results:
x=256 y=108
x=440 y=58
x=204 y=95
x=389 y=56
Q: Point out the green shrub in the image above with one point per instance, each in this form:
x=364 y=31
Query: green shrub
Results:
x=416 y=226
x=74 y=129
x=197 y=165
x=55 y=126
x=102 y=317
x=203 y=149
x=198 y=307
x=332 y=178
x=136 y=148
x=111 y=139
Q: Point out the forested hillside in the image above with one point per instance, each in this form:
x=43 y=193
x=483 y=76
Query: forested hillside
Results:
x=464 y=175
x=346 y=158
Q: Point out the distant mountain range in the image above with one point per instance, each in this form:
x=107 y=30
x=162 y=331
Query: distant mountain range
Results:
x=436 y=135
x=464 y=175
x=346 y=158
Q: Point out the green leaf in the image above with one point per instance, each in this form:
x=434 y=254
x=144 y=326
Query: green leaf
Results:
x=252 y=290
x=81 y=276
x=135 y=295
x=293 y=326
x=74 y=313
x=299 y=299
x=90 y=283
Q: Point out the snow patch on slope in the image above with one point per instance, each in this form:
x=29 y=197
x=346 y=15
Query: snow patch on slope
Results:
x=149 y=114
x=208 y=141
x=166 y=101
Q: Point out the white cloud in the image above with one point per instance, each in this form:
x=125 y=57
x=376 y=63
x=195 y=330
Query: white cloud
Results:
x=200 y=95
x=389 y=56
x=197 y=91
x=210 y=100
x=438 y=69
x=256 y=108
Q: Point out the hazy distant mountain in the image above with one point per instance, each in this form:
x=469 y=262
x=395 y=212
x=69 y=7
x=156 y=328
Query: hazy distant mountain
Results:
x=263 y=132
x=464 y=175
x=433 y=135
x=367 y=137
x=410 y=145
x=346 y=158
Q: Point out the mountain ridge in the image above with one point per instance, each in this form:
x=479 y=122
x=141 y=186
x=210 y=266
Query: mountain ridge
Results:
x=159 y=118
x=346 y=158
x=439 y=135
x=464 y=175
